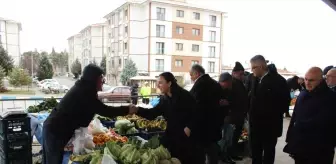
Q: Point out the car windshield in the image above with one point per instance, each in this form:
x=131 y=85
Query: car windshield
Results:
x=110 y=90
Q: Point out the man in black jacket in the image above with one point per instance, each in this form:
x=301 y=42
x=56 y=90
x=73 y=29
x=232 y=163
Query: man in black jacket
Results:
x=239 y=106
x=207 y=93
x=311 y=136
x=75 y=110
x=270 y=98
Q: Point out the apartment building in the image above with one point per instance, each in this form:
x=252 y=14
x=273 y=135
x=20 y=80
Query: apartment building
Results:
x=164 y=35
x=10 y=38
x=75 y=49
x=94 y=40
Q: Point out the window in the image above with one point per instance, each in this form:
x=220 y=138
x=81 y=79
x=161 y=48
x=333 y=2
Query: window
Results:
x=178 y=63
x=159 y=65
x=109 y=22
x=112 y=33
x=197 y=16
x=119 y=62
x=159 y=48
x=195 y=32
x=193 y=62
x=112 y=20
x=211 y=67
x=0 y=40
x=179 y=30
x=112 y=62
x=179 y=46
x=212 y=51
x=125 y=47
x=213 y=20
x=195 y=48
x=126 y=30
x=126 y=14
x=160 y=30
x=212 y=36
x=180 y=13
x=120 y=47
x=160 y=13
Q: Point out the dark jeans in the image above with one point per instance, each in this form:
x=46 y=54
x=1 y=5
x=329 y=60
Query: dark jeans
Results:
x=135 y=101
x=234 y=148
x=316 y=159
x=145 y=100
x=212 y=153
x=52 y=148
x=263 y=148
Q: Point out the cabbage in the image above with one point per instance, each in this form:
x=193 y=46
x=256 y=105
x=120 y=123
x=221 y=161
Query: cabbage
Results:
x=175 y=161
x=165 y=161
x=120 y=124
x=162 y=153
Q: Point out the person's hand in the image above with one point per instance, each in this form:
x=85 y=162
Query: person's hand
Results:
x=187 y=131
x=224 y=102
x=133 y=109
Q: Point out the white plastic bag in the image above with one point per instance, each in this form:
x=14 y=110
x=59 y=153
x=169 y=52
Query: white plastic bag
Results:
x=107 y=157
x=82 y=142
x=97 y=127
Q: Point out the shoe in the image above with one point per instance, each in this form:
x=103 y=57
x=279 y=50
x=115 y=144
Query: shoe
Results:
x=229 y=161
x=237 y=158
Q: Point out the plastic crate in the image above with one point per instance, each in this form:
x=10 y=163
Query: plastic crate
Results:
x=108 y=124
x=148 y=135
x=16 y=145
x=14 y=124
x=4 y=160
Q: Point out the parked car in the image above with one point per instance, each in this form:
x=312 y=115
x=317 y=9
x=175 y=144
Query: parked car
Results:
x=39 y=84
x=46 y=85
x=63 y=88
x=118 y=93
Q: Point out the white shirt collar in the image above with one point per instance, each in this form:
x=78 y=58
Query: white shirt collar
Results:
x=198 y=78
x=263 y=76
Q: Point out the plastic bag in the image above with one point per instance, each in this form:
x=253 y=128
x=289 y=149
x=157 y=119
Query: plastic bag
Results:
x=82 y=143
x=107 y=157
x=97 y=127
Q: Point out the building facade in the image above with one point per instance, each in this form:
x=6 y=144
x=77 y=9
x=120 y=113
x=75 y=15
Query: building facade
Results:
x=10 y=38
x=94 y=40
x=75 y=49
x=164 y=35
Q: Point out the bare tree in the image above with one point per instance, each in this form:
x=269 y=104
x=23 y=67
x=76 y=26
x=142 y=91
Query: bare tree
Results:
x=115 y=73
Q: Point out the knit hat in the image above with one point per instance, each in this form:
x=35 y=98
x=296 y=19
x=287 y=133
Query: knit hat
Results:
x=225 y=77
x=238 y=67
x=326 y=69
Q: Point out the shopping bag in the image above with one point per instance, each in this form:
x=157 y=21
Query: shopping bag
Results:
x=97 y=127
x=83 y=142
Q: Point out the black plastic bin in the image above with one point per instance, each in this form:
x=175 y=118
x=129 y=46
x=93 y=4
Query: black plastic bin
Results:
x=148 y=135
x=15 y=140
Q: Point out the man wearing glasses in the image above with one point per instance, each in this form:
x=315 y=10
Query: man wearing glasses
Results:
x=270 y=99
x=331 y=79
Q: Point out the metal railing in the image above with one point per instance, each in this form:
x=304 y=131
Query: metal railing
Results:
x=25 y=102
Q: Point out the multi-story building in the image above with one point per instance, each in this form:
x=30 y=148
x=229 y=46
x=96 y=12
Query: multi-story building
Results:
x=10 y=38
x=94 y=39
x=75 y=49
x=164 y=35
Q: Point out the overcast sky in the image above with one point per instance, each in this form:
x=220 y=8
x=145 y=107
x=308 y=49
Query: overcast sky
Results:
x=295 y=34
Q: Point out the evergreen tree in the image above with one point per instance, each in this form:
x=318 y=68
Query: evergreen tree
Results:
x=103 y=64
x=76 y=68
x=45 y=69
x=19 y=77
x=130 y=70
x=6 y=62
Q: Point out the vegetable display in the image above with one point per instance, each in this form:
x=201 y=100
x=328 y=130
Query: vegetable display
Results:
x=142 y=123
x=46 y=105
x=125 y=127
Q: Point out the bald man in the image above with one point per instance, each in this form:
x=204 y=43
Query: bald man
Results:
x=331 y=79
x=311 y=136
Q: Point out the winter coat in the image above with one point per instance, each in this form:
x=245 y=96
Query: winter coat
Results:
x=179 y=111
x=312 y=127
x=239 y=103
x=270 y=98
x=208 y=93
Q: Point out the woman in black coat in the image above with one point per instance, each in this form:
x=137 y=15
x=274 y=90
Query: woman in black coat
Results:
x=178 y=107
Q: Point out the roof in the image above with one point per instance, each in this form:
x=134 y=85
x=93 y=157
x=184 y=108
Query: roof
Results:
x=12 y=21
x=172 y=2
x=330 y=3
x=93 y=25
x=74 y=36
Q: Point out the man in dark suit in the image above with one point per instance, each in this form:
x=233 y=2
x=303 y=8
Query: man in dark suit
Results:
x=311 y=136
x=207 y=93
x=270 y=99
x=331 y=79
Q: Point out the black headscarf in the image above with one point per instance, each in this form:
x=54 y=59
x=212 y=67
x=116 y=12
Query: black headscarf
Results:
x=238 y=67
x=326 y=69
x=91 y=74
x=169 y=77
